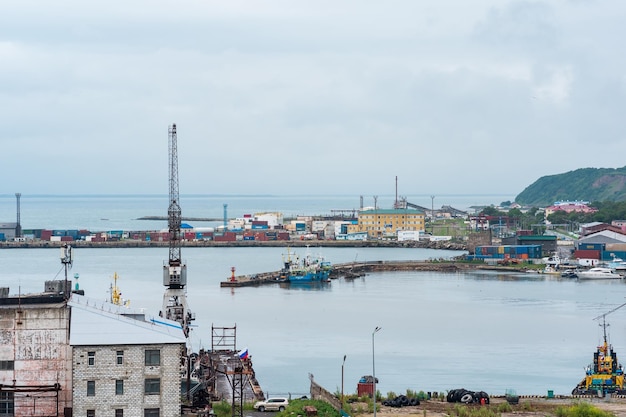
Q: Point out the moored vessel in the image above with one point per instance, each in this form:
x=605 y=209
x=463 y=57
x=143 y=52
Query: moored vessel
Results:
x=598 y=273
x=308 y=269
x=605 y=375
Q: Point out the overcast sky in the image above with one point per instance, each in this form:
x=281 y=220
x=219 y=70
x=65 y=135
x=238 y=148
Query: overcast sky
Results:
x=308 y=97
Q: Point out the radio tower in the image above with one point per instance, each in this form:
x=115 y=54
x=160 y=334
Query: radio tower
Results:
x=175 y=272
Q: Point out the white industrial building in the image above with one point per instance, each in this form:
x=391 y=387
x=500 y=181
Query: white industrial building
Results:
x=84 y=357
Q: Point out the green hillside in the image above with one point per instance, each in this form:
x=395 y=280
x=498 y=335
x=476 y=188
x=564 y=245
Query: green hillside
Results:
x=588 y=184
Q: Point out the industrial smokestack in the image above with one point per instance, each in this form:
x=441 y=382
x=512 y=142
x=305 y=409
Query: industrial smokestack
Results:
x=18 y=227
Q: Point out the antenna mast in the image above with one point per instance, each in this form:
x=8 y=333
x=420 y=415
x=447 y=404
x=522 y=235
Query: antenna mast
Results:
x=604 y=323
x=175 y=272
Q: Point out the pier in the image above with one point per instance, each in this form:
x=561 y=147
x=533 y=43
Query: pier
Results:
x=355 y=269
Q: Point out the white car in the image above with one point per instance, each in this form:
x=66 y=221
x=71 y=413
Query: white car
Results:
x=272 y=404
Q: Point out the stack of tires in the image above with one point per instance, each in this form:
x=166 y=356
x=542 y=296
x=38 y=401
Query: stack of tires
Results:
x=467 y=397
x=401 y=401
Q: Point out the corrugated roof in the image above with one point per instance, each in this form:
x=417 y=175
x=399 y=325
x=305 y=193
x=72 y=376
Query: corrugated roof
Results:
x=96 y=322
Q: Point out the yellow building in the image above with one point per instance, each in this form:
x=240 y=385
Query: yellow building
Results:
x=387 y=223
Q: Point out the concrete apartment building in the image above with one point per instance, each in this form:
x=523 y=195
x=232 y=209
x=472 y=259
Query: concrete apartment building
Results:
x=85 y=357
x=388 y=222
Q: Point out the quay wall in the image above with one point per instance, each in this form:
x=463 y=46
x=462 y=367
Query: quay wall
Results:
x=129 y=243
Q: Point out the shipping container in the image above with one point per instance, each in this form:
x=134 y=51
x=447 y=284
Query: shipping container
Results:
x=591 y=246
x=509 y=251
x=365 y=389
x=248 y=237
x=617 y=247
x=225 y=238
x=587 y=254
x=260 y=237
x=609 y=256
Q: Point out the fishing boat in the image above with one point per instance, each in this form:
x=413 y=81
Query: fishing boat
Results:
x=598 y=272
x=308 y=269
x=605 y=374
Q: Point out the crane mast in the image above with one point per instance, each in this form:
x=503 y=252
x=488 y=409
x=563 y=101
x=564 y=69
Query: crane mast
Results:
x=174 y=211
x=175 y=272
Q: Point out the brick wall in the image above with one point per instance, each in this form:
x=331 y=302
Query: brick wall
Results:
x=133 y=372
x=35 y=337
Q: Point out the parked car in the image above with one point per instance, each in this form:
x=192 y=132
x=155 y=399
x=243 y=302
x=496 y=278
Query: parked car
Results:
x=272 y=404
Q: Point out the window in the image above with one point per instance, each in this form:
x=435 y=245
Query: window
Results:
x=7 y=407
x=153 y=386
x=120 y=357
x=153 y=357
x=91 y=388
x=91 y=413
x=7 y=365
x=91 y=358
x=119 y=387
x=119 y=412
x=151 y=412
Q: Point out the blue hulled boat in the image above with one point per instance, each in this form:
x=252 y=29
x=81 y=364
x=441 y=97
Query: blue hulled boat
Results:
x=308 y=269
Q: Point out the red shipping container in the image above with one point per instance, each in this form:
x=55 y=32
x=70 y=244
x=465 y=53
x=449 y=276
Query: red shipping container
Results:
x=365 y=388
x=261 y=236
x=587 y=254
x=227 y=237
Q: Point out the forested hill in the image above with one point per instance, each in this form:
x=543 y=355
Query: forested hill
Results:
x=588 y=184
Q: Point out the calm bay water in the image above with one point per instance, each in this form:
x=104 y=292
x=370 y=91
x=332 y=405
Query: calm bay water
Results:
x=478 y=330
x=481 y=331
x=105 y=212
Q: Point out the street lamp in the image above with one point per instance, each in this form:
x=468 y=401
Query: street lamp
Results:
x=374 y=368
x=342 y=364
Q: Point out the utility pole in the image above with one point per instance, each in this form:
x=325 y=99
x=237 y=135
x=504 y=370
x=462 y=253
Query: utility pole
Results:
x=432 y=215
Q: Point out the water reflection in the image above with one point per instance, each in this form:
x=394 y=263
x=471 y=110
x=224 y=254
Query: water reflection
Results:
x=306 y=286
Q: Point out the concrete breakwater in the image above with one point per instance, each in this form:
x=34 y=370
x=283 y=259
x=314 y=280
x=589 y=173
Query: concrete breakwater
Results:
x=356 y=269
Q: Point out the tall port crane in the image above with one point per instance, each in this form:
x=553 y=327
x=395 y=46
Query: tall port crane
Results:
x=175 y=272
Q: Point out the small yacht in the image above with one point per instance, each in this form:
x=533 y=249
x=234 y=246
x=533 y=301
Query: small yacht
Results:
x=598 y=273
